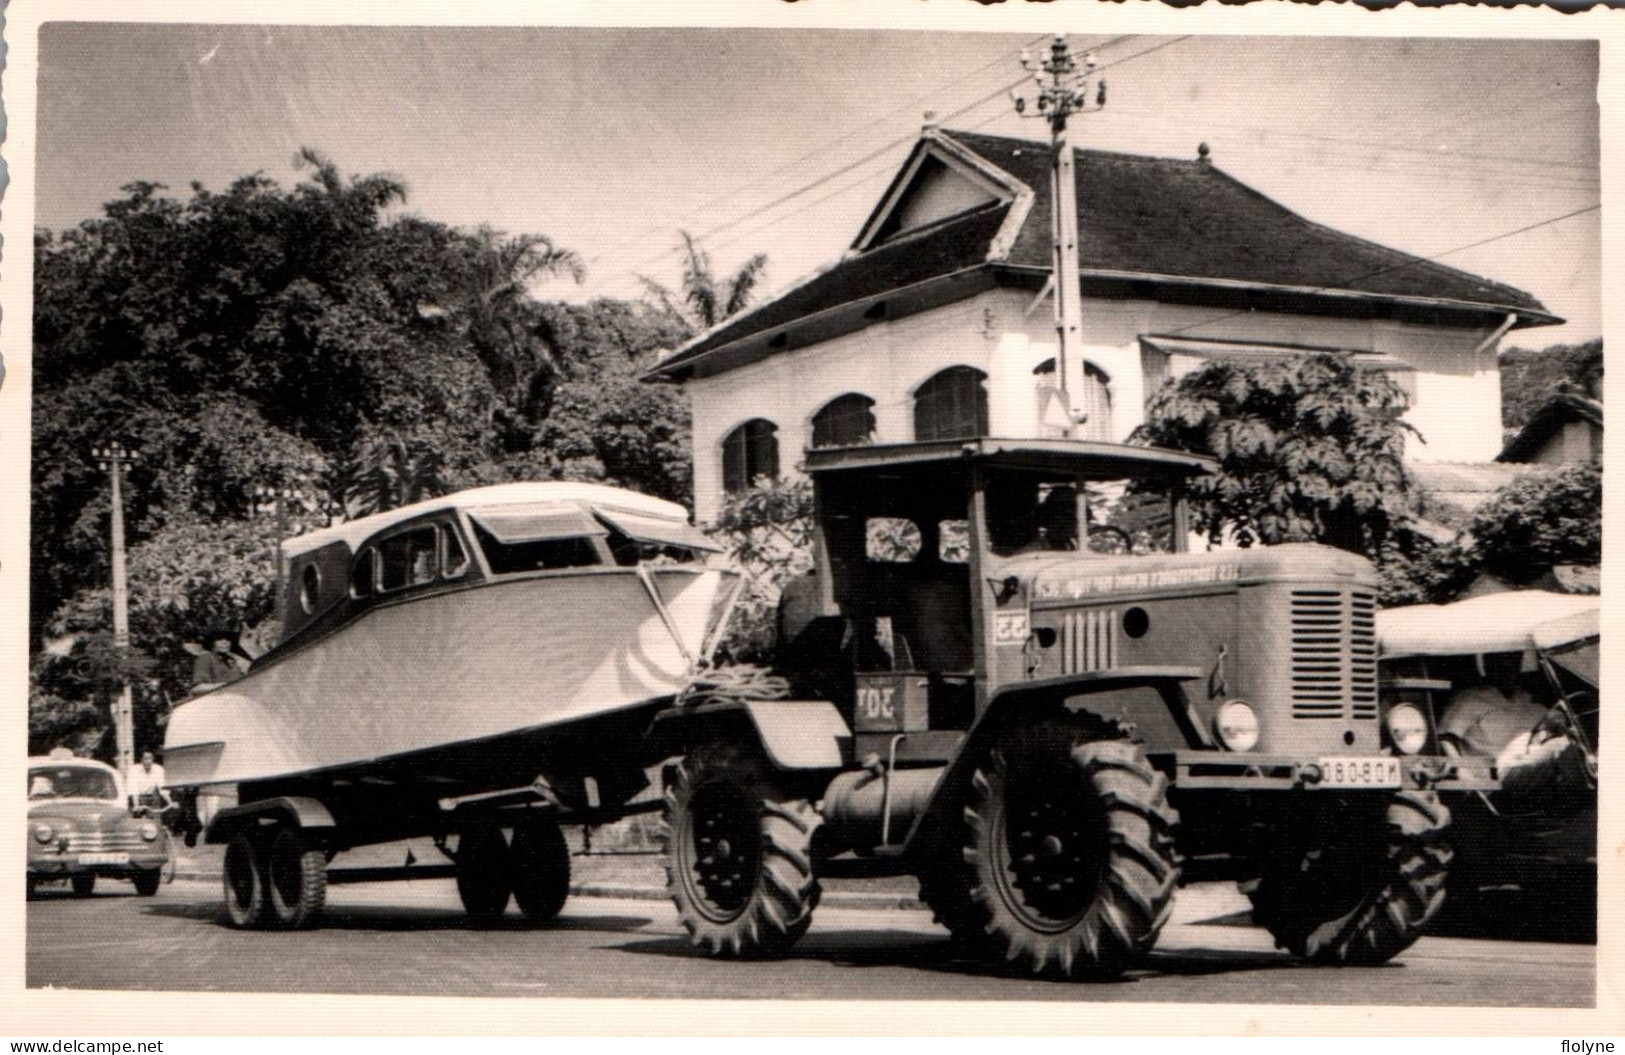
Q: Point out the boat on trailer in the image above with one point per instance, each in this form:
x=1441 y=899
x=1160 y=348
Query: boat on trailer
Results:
x=441 y=662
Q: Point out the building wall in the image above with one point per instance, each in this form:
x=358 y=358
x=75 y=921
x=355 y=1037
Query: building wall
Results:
x=1457 y=408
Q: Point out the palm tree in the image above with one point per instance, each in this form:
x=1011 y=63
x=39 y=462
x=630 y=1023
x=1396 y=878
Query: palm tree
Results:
x=708 y=299
x=492 y=271
x=390 y=473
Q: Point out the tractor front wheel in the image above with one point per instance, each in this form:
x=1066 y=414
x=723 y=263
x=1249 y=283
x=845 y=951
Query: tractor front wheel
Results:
x=1068 y=863
x=1365 y=898
x=738 y=854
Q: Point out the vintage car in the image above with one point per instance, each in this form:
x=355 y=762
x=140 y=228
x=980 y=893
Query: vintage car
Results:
x=1513 y=677
x=81 y=827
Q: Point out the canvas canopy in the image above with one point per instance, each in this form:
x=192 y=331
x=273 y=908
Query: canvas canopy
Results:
x=1502 y=622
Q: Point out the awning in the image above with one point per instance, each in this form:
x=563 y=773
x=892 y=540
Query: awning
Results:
x=1258 y=351
x=535 y=523
x=1501 y=622
x=657 y=530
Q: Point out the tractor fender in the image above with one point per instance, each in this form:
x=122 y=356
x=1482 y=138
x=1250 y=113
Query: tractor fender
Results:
x=793 y=734
x=1031 y=701
x=298 y=811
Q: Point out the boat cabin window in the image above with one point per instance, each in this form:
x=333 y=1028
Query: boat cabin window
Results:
x=1028 y=511
x=411 y=558
x=540 y=537
x=364 y=574
x=454 y=560
x=636 y=538
x=538 y=554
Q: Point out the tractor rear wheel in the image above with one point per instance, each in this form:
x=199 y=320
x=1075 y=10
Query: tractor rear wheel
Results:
x=541 y=869
x=244 y=883
x=738 y=854
x=1364 y=899
x=484 y=872
x=295 y=881
x=1068 y=863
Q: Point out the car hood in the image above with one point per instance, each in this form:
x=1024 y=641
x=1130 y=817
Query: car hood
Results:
x=84 y=814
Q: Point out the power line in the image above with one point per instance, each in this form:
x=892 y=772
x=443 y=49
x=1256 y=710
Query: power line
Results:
x=898 y=141
x=819 y=150
x=1347 y=282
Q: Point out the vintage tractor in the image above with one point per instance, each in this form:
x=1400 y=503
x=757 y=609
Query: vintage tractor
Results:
x=1052 y=738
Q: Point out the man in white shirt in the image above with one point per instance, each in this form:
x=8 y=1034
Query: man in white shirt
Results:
x=147 y=784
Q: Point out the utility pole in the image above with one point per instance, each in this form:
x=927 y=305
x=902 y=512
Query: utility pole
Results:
x=274 y=500
x=114 y=459
x=1063 y=90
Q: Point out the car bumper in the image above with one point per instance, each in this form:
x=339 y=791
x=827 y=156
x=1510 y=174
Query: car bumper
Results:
x=63 y=865
x=1243 y=771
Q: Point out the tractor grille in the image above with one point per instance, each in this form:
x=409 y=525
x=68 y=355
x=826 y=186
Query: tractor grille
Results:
x=99 y=842
x=1334 y=653
x=1088 y=641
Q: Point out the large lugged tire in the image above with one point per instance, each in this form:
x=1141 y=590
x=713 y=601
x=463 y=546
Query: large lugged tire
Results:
x=295 y=881
x=738 y=855
x=484 y=872
x=244 y=883
x=541 y=870
x=1361 y=900
x=1068 y=863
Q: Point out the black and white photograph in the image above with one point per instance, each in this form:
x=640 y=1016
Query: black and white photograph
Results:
x=809 y=507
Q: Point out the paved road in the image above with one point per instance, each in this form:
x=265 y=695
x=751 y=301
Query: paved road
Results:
x=412 y=938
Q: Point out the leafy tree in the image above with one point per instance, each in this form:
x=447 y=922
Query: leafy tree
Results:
x=767 y=531
x=1309 y=448
x=1530 y=377
x=706 y=299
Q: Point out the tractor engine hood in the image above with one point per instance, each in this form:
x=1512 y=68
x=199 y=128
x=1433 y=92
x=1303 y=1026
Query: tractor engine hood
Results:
x=1050 y=579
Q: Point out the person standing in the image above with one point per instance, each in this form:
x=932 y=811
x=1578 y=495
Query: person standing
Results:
x=214 y=667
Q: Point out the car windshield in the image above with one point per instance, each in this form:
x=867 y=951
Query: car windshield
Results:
x=71 y=782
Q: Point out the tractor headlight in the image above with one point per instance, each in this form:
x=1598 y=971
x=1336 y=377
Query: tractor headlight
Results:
x=1236 y=725
x=42 y=833
x=149 y=831
x=1407 y=728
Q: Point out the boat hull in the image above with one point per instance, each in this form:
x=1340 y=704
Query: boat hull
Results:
x=463 y=666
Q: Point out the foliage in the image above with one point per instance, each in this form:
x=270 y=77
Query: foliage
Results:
x=1517 y=535
x=767 y=531
x=1309 y=449
x=707 y=300
x=1530 y=377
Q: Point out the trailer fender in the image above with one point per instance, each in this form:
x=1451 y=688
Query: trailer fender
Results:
x=300 y=811
x=793 y=734
x=1031 y=701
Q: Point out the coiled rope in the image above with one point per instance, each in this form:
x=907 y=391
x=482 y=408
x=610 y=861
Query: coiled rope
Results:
x=736 y=683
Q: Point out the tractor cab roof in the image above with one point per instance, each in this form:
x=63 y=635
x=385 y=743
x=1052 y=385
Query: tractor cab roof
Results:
x=1091 y=459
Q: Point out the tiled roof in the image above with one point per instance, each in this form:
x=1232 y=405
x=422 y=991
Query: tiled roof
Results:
x=1138 y=216
x=1561 y=408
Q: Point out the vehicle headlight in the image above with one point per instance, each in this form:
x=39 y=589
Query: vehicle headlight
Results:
x=1236 y=725
x=42 y=833
x=149 y=831
x=1407 y=728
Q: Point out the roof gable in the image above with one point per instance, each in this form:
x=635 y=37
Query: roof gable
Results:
x=1148 y=227
x=1559 y=410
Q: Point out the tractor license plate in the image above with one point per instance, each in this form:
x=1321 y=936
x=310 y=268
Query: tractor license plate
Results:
x=1358 y=772
x=104 y=859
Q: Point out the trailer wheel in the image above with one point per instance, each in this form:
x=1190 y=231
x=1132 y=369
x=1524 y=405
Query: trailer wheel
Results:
x=541 y=870
x=146 y=881
x=83 y=885
x=1068 y=863
x=244 y=885
x=296 y=880
x=484 y=872
x=738 y=854
x=1362 y=900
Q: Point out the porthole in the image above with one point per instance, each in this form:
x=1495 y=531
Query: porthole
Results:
x=1136 y=622
x=310 y=588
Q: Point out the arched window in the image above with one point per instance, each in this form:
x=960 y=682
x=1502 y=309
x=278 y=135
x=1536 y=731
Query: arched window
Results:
x=749 y=451
x=845 y=421
x=1094 y=402
x=951 y=405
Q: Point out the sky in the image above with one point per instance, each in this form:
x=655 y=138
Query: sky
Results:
x=609 y=141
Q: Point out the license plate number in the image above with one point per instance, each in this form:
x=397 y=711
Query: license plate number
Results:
x=1359 y=773
x=104 y=859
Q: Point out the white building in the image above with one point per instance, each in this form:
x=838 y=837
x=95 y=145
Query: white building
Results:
x=937 y=323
